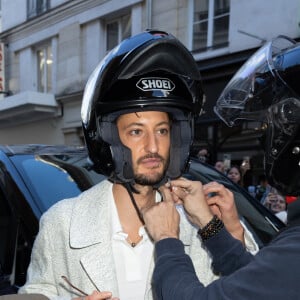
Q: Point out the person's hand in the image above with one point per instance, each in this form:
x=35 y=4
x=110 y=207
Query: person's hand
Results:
x=201 y=202
x=190 y=194
x=270 y=199
x=96 y=295
x=221 y=203
x=162 y=219
x=245 y=166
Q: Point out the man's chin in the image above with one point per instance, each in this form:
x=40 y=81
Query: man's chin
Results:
x=144 y=179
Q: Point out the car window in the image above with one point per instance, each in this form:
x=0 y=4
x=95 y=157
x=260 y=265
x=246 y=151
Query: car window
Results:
x=51 y=178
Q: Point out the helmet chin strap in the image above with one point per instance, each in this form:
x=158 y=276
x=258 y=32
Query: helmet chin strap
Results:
x=130 y=189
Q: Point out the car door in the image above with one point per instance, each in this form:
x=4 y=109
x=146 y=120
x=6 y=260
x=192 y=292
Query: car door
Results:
x=18 y=227
x=8 y=236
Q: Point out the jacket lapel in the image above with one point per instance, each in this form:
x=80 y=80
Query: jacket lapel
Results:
x=91 y=229
x=99 y=265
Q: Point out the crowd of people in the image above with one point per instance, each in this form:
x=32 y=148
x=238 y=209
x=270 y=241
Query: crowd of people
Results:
x=259 y=189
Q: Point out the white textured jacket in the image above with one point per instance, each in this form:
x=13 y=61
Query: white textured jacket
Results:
x=74 y=240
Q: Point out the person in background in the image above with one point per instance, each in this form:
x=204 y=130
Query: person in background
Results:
x=219 y=165
x=138 y=113
x=266 y=89
x=276 y=203
x=252 y=190
x=235 y=174
x=203 y=155
x=241 y=175
x=246 y=172
x=263 y=188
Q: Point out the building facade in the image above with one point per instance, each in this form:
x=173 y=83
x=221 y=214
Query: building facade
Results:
x=50 y=47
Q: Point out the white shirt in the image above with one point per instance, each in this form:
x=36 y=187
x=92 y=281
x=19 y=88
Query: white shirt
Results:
x=132 y=263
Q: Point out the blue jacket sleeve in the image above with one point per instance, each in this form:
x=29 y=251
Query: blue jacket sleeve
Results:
x=228 y=254
x=272 y=274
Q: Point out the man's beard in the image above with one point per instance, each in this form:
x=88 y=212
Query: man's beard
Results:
x=143 y=179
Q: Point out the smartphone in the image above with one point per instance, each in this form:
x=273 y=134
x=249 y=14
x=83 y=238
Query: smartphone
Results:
x=246 y=161
x=227 y=161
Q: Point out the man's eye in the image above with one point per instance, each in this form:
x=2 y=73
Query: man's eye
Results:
x=163 y=131
x=135 y=132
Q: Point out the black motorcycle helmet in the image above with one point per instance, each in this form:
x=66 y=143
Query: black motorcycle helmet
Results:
x=267 y=89
x=151 y=71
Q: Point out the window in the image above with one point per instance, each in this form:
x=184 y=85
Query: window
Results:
x=36 y=7
x=210 y=24
x=44 y=72
x=117 y=30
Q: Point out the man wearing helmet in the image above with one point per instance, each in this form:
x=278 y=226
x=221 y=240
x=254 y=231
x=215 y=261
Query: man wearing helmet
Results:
x=138 y=111
x=266 y=89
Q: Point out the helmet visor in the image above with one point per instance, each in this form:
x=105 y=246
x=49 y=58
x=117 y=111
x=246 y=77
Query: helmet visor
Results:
x=242 y=97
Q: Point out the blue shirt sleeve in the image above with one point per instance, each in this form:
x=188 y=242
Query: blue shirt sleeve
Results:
x=228 y=254
x=272 y=274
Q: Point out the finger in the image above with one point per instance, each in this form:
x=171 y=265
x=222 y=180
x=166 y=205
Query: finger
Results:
x=215 y=200
x=184 y=186
x=225 y=202
x=213 y=186
x=215 y=210
x=217 y=190
x=96 y=295
x=166 y=193
x=145 y=210
x=180 y=182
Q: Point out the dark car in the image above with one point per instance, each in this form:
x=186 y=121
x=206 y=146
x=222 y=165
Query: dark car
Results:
x=34 y=177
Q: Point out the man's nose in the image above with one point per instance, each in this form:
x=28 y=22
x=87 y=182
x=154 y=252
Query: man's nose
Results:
x=151 y=143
